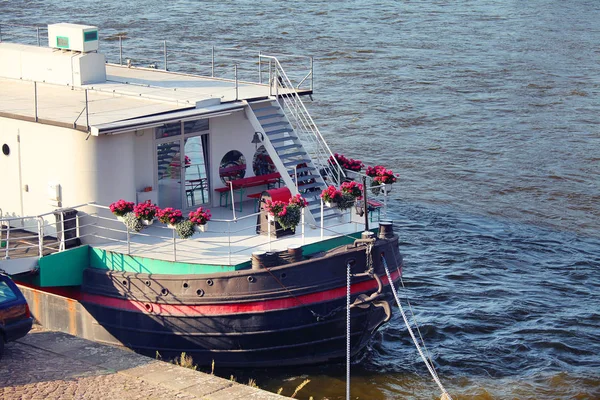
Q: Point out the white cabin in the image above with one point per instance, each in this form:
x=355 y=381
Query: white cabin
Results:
x=75 y=129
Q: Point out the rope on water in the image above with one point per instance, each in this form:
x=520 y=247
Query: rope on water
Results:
x=348 y=284
x=445 y=394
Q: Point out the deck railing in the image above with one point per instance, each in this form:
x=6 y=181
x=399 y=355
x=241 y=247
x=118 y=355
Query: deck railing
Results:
x=296 y=113
x=101 y=227
x=228 y=63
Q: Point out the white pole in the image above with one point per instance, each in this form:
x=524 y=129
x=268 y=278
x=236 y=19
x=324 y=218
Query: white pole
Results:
x=269 y=231
x=232 y=199
x=303 y=242
x=322 y=209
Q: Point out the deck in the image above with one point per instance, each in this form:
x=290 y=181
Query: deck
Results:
x=128 y=93
x=226 y=242
x=230 y=238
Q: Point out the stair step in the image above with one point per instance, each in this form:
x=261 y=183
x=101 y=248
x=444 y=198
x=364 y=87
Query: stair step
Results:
x=290 y=155
x=277 y=123
x=305 y=178
x=294 y=162
x=269 y=116
x=282 y=139
x=300 y=170
x=309 y=186
x=287 y=147
x=266 y=108
x=278 y=131
x=328 y=217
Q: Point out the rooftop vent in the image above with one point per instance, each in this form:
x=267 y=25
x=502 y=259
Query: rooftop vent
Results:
x=73 y=37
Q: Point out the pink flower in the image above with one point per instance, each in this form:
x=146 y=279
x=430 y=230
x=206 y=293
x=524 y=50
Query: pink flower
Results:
x=121 y=207
x=200 y=217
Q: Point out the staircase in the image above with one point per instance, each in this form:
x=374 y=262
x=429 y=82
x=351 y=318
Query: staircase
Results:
x=281 y=141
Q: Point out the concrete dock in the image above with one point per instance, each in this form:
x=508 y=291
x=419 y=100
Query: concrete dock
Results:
x=54 y=365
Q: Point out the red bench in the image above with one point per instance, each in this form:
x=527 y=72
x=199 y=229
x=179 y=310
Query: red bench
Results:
x=373 y=206
x=240 y=185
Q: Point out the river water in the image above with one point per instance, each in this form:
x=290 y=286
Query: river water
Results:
x=489 y=112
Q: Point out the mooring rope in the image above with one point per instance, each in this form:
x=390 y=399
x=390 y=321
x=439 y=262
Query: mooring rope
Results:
x=445 y=394
x=348 y=284
x=414 y=319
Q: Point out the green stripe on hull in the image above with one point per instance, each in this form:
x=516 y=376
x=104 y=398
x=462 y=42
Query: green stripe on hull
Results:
x=64 y=268
x=103 y=259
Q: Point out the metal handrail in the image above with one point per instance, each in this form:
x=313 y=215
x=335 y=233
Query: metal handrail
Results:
x=166 y=51
x=228 y=238
x=303 y=124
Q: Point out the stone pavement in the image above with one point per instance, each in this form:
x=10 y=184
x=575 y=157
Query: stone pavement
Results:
x=54 y=365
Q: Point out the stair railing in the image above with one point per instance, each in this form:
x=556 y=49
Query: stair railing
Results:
x=304 y=126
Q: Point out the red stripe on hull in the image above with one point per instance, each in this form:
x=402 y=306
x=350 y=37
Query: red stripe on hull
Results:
x=233 y=308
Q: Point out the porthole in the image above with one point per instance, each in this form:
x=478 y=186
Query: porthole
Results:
x=262 y=163
x=185 y=285
x=232 y=166
x=5 y=149
x=209 y=282
x=164 y=292
x=200 y=292
x=251 y=279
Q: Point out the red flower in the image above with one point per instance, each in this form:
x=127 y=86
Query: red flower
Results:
x=121 y=207
x=381 y=175
x=169 y=216
x=200 y=216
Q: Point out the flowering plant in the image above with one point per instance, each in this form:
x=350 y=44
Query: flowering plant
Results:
x=146 y=210
x=287 y=215
x=169 y=216
x=184 y=229
x=381 y=175
x=331 y=195
x=132 y=222
x=342 y=200
x=121 y=207
x=275 y=208
x=187 y=161
x=346 y=163
x=200 y=217
x=299 y=201
x=352 y=188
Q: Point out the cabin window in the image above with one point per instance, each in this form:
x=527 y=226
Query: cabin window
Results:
x=182 y=160
x=262 y=163
x=198 y=125
x=233 y=166
x=5 y=149
x=168 y=130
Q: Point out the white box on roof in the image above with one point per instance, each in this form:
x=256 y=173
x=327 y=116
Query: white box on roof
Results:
x=74 y=37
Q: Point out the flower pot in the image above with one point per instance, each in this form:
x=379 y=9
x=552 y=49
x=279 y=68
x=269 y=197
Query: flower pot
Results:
x=329 y=204
x=270 y=217
x=120 y=218
x=171 y=226
x=146 y=222
x=375 y=188
x=360 y=211
x=200 y=228
x=387 y=188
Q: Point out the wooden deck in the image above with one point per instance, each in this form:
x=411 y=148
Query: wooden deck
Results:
x=23 y=244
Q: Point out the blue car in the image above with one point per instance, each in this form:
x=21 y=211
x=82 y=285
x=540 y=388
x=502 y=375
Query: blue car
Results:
x=15 y=317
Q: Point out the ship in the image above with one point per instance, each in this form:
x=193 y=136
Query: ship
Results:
x=82 y=137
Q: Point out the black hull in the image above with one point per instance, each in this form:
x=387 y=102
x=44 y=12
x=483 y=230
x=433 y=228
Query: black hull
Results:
x=292 y=314
x=275 y=338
